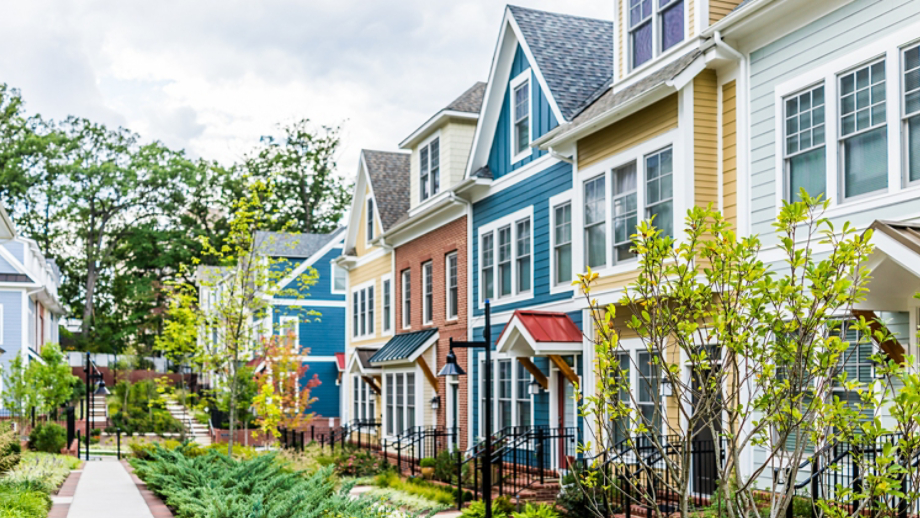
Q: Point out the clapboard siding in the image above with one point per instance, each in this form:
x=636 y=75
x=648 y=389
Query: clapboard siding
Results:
x=718 y=9
x=321 y=333
x=629 y=132
x=542 y=121
x=729 y=154
x=327 y=392
x=705 y=139
x=832 y=37
x=372 y=270
x=534 y=191
x=322 y=289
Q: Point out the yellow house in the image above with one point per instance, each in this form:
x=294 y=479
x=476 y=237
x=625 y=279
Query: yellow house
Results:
x=380 y=200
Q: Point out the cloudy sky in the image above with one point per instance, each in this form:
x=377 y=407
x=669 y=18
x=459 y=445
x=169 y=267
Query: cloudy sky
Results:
x=212 y=76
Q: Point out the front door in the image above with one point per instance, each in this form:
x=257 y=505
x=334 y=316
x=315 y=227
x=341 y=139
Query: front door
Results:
x=566 y=421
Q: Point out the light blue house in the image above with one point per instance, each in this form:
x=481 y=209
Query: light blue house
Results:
x=30 y=307
x=316 y=316
x=545 y=69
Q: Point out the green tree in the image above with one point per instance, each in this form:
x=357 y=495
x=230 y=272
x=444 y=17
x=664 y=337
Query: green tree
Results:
x=53 y=377
x=20 y=393
x=306 y=195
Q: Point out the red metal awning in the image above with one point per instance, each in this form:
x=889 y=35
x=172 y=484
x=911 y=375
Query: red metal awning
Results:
x=340 y=361
x=541 y=330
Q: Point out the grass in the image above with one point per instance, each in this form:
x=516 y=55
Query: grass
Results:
x=415 y=487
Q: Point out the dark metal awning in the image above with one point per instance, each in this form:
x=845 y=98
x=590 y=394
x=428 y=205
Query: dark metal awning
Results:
x=405 y=347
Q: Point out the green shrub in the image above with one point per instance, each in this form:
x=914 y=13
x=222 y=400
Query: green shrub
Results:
x=39 y=472
x=10 y=450
x=217 y=486
x=477 y=509
x=445 y=468
x=139 y=408
x=48 y=437
x=357 y=463
x=143 y=449
x=20 y=502
x=427 y=462
x=417 y=487
x=406 y=501
x=537 y=511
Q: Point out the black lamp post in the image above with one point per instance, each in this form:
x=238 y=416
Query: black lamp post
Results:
x=92 y=375
x=452 y=369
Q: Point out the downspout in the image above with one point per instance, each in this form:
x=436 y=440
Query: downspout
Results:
x=469 y=312
x=554 y=154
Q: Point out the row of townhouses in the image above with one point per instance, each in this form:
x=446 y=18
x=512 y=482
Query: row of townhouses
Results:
x=30 y=307
x=583 y=128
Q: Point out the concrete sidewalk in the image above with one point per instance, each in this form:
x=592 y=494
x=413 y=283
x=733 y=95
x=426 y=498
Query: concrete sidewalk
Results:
x=106 y=490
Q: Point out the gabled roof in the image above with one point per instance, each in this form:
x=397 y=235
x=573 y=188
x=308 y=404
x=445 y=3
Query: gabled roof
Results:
x=389 y=177
x=907 y=234
x=469 y=101
x=545 y=326
x=297 y=245
x=574 y=54
x=403 y=346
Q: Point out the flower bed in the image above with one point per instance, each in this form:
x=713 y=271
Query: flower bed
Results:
x=24 y=490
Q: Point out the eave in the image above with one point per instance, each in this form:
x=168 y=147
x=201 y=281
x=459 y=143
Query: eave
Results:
x=439 y=118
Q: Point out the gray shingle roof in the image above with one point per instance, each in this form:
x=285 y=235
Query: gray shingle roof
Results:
x=610 y=99
x=389 y=176
x=284 y=244
x=402 y=346
x=364 y=356
x=470 y=100
x=574 y=54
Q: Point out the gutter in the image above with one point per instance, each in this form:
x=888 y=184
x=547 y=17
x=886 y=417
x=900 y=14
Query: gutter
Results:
x=734 y=17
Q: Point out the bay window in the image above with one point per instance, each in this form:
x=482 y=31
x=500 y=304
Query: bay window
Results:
x=595 y=210
x=625 y=207
x=488 y=262
x=805 y=151
x=863 y=131
x=429 y=169
x=912 y=112
x=523 y=255
x=504 y=261
x=659 y=202
x=453 y=292
x=654 y=27
x=562 y=243
x=428 y=297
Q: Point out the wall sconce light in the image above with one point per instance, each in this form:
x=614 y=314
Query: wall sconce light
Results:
x=667 y=388
x=535 y=388
x=436 y=402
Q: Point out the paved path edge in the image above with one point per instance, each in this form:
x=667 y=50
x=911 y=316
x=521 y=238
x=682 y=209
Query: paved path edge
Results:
x=157 y=508
x=67 y=489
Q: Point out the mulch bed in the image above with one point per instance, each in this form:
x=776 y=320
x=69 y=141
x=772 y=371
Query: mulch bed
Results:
x=157 y=507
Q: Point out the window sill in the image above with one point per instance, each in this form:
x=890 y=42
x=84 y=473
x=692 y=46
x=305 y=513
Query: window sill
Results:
x=508 y=299
x=521 y=156
x=874 y=200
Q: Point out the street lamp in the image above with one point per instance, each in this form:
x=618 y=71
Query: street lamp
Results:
x=451 y=369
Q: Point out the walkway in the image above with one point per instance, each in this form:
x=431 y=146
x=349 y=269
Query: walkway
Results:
x=107 y=490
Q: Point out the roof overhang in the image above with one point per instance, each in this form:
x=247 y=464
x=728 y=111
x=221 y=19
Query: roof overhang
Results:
x=411 y=358
x=356 y=366
x=439 y=118
x=539 y=333
x=396 y=235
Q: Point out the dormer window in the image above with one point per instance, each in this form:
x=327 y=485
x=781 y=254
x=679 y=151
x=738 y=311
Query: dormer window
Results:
x=520 y=115
x=654 y=27
x=370 y=219
x=430 y=169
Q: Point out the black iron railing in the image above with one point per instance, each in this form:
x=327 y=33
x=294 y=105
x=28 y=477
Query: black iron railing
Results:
x=417 y=443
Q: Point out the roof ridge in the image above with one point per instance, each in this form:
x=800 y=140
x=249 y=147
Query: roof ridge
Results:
x=555 y=13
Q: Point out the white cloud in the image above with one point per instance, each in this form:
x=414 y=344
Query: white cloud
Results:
x=212 y=76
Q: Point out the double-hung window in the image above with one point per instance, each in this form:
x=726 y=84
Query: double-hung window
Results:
x=453 y=291
x=806 y=153
x=406 y=298
x=562 y=243
x=488 y=263
x=290 y=332
x=504 y=393
x=625 y=207
x=339 y=278
x=363 y=311
x=595 y=214
x=523 y=395
x=863 y=131
x=912 y=112
x=428 y=294
x=504 y=261
x=523 y=255
x=387 y=305
x=520 y=97
x=649 y=398
x=370 y=220
x=429 y=169
x=391 y=406
x=654 y=27
x=364 y=404
x=659 y=192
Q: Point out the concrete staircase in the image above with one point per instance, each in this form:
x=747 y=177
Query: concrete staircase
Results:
x=99 y=417
x=198 y=432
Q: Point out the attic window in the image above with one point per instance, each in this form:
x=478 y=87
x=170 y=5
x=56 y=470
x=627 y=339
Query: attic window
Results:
x=520 y=115
x=430 y=169
x=370 y=219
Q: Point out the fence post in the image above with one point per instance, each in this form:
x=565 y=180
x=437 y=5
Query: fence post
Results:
x=626 y=491
x=815 y=484
x=312 y=433
x=118 y=442
x=903 y=501
x=541 y=463
x=78 y=444
x=303 y=435
x=857 y=482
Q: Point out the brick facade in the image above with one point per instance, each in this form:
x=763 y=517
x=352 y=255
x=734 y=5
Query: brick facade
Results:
x=435 y=246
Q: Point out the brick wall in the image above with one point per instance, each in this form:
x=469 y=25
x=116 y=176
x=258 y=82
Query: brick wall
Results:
x=435 y=247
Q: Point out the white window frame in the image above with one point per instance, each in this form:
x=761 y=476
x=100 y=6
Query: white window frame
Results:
x=518 y=256
x=603 y=222
x=515 y=396
x=2 y=327
x=905 y=117
x=554 y=203
x=332 y=289
x=405 y=290
x=451 y=257
x=369 y=225
x=516 y=82
x=386 y=300
x=841 y=138
x=427 y=292
x=368 y=289
x=282 y=322
x=367 y=407
x=399 y=379
x=890 y=46
x=426 y=145
x=657 y=20
x=493 y=227
x=636 y=154
x=787 y=170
